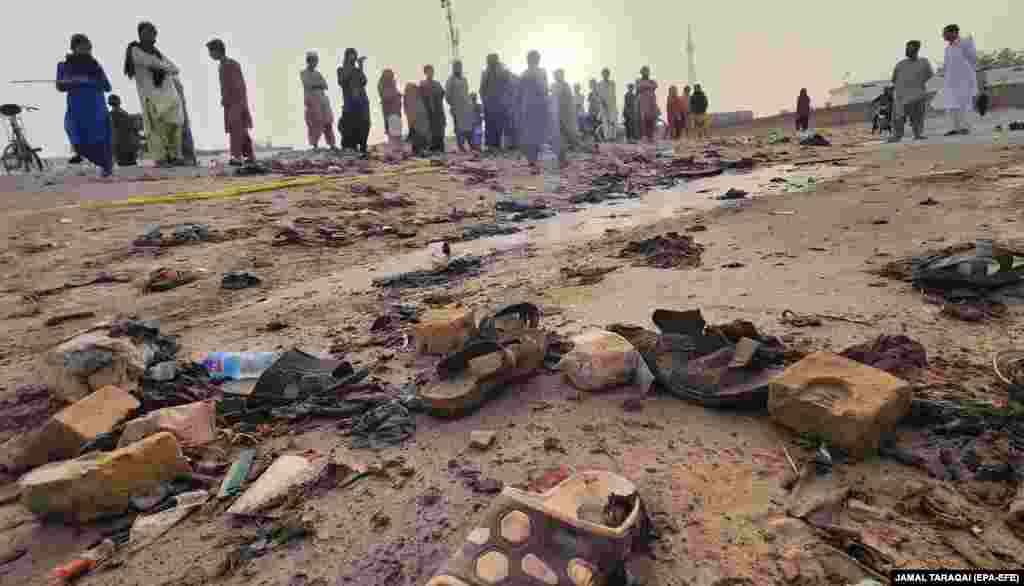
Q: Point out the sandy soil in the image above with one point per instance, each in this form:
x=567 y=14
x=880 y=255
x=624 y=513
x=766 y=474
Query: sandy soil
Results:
x=713 y=479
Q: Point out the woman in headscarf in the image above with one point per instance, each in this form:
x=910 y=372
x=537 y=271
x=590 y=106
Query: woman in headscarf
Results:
x=533 y=111
x=355 y=117
x=432 y=97
x=319 y=116
x=647 y=101
x=390 y=100
x=159 y=94
x=86 y=121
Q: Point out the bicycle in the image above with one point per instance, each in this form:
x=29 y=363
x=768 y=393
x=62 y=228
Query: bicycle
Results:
x=18 y=154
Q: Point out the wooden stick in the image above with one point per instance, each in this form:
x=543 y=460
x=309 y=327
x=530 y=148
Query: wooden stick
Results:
x=790 y=459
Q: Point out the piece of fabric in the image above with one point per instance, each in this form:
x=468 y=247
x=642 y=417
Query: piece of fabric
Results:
x=961 y=75
x=457 y=95
x=533 y=113
x=86 y=120
x=609 y=108
x=162 y=119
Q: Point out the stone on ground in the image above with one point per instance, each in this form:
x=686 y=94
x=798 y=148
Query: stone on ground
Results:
x=193 y=424
x=62 y=437
x=848 y=404
x=90 y=362
x=481 y=439
x=602 y=360
x=102 y=483
x=444 y=331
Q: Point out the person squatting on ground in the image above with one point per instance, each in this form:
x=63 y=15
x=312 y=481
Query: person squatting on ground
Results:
x=234 y=97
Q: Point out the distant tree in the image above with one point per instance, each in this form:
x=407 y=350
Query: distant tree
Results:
x=1000 y=58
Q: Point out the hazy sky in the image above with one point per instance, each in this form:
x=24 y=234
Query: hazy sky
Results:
x=750 y=55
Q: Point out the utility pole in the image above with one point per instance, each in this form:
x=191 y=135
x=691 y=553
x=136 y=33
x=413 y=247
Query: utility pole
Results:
x=691 y=51
x=453 y=33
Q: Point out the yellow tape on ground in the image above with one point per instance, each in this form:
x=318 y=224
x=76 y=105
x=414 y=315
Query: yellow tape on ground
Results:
x=241 y=190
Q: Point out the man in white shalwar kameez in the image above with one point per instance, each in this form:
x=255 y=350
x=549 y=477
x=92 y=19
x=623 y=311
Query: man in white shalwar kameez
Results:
x=961 y=78
x=162 y=110
x=609 y=106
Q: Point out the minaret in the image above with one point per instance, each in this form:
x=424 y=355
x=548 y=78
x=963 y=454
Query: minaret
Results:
x=691 y=51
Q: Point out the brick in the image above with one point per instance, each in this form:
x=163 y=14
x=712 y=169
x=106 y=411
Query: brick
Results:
x=445 y=331
x=102 y=483
x=849 y=404
x=61 y=437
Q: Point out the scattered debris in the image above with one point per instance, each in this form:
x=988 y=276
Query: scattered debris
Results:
x=459 y=267
x=165 y=279
x=286 y=475
x=893 y=354
x=587 y=275
x=59 y=319
x=239 y=280
x=669 y=251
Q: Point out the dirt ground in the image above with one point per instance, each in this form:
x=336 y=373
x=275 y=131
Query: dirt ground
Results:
x=712 y=479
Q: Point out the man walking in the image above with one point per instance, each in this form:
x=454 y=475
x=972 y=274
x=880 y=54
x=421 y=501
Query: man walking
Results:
x=803 y=111
x=961 y=78
x=235 y=100
x=910 y=96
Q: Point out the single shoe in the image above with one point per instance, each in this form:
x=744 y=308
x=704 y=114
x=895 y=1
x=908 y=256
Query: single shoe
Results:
x=952 y=133
x=507 y=349
x=235 y=162
x=920 y=137
x=75 y=160
x=579 y=533
x=894 y=139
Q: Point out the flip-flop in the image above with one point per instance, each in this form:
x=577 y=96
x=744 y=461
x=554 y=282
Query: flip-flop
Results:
x=509 y=322
x=704 y=366
x=578 y=533
x=470 y=377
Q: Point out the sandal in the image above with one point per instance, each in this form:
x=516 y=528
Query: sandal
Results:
x=578 y=533
x=474 y=375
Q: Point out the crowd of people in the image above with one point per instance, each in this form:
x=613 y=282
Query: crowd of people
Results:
x=508 y=112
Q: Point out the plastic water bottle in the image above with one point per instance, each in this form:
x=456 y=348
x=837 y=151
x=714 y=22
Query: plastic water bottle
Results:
x=238 y=365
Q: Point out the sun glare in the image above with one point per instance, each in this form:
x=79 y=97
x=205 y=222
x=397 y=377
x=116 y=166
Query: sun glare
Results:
x=561 y=46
